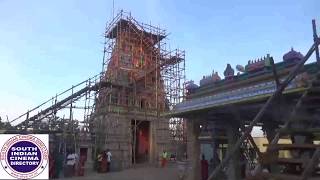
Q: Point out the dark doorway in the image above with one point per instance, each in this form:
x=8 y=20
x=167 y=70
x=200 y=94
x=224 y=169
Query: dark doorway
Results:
x=84 y=153
x=140 y=139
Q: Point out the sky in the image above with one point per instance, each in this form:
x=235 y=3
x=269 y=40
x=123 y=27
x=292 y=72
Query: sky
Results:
x=48 y=46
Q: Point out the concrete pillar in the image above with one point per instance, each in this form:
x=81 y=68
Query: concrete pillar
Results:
x=234 y=169
x=193 y=151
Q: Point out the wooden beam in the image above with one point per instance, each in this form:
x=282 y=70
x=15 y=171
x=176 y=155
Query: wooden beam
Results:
x=315 y=39
x=274 y=71
x=311 y=165
x=255 y=147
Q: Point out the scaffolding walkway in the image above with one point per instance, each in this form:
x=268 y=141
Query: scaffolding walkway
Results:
x=48 y=111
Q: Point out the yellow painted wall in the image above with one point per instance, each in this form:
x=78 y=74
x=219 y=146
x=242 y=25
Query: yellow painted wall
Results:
x=262 y=145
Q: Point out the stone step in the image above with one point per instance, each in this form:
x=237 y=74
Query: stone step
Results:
x=306 y=131
x=271 y=159
x=291 y=161
x=275 y=176
x=305 y=119
x=293 y=146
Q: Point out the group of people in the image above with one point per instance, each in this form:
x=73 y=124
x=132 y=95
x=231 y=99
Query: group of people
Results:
x=104 y=161
x=65 y=166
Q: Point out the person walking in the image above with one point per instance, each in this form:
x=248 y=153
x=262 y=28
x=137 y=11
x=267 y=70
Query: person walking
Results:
x=109 y=156
x=164 y=159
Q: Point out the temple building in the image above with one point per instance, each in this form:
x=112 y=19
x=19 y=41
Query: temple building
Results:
x=127 y=118
x=218 y=112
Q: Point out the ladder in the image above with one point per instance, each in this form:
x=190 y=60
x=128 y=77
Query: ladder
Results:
x=303 y=128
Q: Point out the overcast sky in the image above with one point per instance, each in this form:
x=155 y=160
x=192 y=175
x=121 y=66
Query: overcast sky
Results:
x=47 y=46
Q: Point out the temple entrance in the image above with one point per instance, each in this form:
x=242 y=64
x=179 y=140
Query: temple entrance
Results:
x=141 y=142
x=84 y=153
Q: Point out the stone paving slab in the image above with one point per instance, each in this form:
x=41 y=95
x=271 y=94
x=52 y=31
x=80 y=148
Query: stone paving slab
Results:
x=139 y=173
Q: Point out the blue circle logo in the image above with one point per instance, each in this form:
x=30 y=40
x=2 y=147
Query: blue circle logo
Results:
x=24 y=156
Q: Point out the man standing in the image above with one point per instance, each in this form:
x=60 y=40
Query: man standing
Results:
x=68 y=172
x=109 y=155
x=71 y=164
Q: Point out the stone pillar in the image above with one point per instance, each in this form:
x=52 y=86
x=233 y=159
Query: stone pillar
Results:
x=193 y=149
x=215 y=145
x=154 y=148
x=90 y=161
x=89 y=154
x=215 y=155
x=234 y=169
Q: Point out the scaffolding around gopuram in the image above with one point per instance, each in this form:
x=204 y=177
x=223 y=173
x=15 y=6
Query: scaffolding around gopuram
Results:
x=148 y=80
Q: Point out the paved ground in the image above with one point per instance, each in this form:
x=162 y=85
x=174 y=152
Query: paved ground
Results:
x=145 y=172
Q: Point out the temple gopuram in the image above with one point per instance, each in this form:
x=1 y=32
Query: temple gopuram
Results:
x=144 y=75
